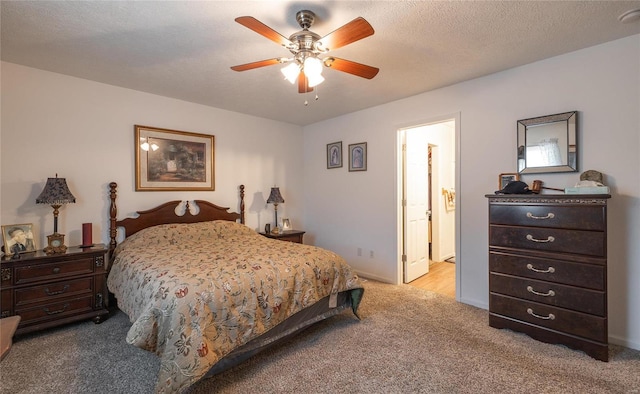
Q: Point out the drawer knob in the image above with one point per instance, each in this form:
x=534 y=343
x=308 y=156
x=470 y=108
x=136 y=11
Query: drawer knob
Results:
x=550 y=293
x=550 y=215
x=549 y=239
x=56 y=270
x=549 y=270
x=551 y=316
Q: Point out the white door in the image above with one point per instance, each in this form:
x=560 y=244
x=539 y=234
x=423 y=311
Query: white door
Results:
x=416 y=196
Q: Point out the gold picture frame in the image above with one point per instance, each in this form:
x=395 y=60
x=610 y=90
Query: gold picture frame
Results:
x=169 y=160
x=506 y=177
x=18 y=234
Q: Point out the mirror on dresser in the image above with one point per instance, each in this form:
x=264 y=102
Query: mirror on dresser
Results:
x=548 y=144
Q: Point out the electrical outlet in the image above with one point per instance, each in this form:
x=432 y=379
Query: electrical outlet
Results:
x=371 y=254
x=359 y=251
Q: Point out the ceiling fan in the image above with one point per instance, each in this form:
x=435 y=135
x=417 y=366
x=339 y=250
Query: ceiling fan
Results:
x=309 y=48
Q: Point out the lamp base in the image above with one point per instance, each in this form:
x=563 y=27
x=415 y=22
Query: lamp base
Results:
x=55 y=244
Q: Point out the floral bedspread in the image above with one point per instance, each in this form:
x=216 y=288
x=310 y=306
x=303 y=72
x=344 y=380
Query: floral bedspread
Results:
x=194 y=292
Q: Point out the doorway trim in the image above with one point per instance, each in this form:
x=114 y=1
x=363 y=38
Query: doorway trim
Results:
x=399 y=194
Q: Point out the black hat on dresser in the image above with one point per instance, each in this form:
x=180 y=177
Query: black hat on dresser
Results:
x=515 y=187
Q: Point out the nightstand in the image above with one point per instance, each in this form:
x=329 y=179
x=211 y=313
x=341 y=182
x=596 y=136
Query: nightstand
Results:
x=51 y=290
x=288 y=235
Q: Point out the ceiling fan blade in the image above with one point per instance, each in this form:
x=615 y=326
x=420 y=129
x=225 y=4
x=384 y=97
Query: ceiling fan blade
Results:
x=347 y=66
x=262 y=29
x=303 y=83
x=353 y=31
x=261 y=63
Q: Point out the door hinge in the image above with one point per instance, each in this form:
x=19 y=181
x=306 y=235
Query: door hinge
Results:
x=404 y=258
x=404 y=203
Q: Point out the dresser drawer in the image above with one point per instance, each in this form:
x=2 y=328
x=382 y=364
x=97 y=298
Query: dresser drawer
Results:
x=563 y=320
x=591 y=276
x=570 y=217
x=569 y=297
x=53 y=291
x=56 y=310
x=52 y=271
x=592 y=243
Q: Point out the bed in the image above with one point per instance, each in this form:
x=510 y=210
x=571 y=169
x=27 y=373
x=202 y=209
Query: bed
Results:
x=205 y=292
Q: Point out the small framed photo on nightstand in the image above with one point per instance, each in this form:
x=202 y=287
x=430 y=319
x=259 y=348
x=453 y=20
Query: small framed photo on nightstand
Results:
x=18 y=238
x=286 y=225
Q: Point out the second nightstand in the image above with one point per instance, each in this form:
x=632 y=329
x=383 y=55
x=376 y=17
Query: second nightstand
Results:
x=288 y=235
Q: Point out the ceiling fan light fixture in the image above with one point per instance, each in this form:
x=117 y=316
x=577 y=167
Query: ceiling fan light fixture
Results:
x=312 y=66
x=315 y=80
x=291 y=72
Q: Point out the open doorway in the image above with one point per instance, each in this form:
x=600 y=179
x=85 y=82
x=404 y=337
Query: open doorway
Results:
x=428 y=219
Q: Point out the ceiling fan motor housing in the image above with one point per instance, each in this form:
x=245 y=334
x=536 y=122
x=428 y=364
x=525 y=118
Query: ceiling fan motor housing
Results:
x=305 y=18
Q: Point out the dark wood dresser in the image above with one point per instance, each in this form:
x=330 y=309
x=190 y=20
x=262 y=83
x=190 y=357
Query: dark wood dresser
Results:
x=50 y=290
x=548 y=268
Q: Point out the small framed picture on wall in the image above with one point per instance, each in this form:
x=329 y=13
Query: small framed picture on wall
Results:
x=358 y=157
x=334 y=155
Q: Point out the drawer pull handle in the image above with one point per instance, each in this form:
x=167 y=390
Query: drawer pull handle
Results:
x=550 y=317
x=549 y=270
x=48 y=312
x=549 y=239
x=550 y=215
x=550 y=293
x=56 y=270
x=49 y=292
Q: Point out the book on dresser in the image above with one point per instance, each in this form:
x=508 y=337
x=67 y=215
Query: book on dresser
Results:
x=548 y=268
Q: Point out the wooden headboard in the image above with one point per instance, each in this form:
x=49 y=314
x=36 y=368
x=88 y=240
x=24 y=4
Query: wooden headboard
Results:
x=165 y=214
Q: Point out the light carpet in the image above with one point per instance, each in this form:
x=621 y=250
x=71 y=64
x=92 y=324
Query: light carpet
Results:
x=408 y=341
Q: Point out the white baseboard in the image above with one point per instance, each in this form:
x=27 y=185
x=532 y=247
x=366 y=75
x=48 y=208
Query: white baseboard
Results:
x=367 y=275
x=624 y=342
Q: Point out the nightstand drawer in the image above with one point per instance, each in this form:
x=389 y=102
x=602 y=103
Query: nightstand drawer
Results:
x=52 y=291
x=572 y=217
x=55 y=310
x=592 y=243
x=287 y=235
x=291 y=238
x=591 y=276
x=53 y=271
x=569 y=297
x=563 y=320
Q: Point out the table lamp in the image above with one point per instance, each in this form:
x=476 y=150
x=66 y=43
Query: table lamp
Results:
x=275 y=198
x=55 y=193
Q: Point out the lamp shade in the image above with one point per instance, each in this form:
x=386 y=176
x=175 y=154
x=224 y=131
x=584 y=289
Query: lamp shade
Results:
x=56 y=192
x=275 y=197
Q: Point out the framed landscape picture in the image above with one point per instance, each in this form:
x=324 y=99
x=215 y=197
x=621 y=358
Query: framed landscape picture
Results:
x=173 y=160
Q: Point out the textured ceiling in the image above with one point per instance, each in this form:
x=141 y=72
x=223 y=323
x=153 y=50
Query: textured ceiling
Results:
x=183 y=49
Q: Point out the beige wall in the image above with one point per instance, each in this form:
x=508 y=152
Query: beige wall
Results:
x=351 y=210
x=83 y=131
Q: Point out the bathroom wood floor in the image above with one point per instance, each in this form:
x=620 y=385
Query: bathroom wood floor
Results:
x=441 y=279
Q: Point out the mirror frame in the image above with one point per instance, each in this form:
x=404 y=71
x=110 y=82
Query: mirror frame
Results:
x=569 y=139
